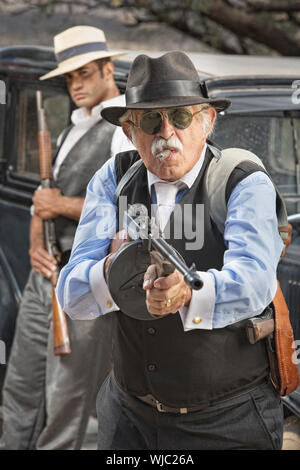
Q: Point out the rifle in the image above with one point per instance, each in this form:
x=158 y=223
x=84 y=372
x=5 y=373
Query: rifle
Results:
x=163 y=255
x=61 y=341
x=126 y=271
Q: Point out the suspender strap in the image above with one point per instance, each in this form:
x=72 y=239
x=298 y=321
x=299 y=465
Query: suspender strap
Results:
x=64 y=135
x=126 y=178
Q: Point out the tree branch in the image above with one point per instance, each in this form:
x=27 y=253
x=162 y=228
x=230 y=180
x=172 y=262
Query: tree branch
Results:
x=240 y=21
x=237 y=16
x=249 y=25
x=260 y=6
x=294 y=19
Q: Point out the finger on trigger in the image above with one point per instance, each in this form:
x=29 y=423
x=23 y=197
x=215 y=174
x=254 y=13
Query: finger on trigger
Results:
x=149 y=277
x=168 y=281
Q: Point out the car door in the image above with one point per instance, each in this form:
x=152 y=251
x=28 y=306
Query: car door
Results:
x=19 y=177
x=275 y=137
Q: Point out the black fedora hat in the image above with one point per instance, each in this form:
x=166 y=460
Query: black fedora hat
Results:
x=167 y=81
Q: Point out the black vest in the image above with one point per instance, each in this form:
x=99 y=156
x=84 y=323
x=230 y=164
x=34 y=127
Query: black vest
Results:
x=184 y=368
x=84 y=159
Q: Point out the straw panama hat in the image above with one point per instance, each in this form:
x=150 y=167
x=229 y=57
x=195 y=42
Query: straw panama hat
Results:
x=78 y=46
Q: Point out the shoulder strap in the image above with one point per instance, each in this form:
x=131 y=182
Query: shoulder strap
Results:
x=62 y=137
x=217 y=177
x=125 y=178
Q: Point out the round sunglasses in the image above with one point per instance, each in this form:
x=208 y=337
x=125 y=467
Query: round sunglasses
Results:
x=151 y=122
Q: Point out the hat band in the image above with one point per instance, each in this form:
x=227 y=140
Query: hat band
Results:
x=159 y=90
x=80 y=49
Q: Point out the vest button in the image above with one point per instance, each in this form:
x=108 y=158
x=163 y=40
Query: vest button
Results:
x=151 y=367
x=151 y=331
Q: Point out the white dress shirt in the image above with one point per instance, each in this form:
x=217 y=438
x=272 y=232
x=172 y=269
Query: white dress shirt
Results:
x=82 y=122
x=205 y=296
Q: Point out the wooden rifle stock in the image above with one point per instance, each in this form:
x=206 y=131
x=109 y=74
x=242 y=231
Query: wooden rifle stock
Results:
x=61 y=341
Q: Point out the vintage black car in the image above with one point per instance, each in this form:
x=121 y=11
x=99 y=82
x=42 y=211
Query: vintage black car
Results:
x=264 y=118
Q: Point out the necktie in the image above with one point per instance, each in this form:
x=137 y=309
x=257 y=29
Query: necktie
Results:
x=166 y=196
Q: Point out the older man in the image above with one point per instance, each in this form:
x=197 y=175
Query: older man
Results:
x=185 y=377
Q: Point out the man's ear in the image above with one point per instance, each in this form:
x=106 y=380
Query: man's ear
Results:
x=126 y=126
x=108 y=70
x=213 y=115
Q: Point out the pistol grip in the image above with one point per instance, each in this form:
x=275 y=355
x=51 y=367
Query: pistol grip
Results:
x=163 y=266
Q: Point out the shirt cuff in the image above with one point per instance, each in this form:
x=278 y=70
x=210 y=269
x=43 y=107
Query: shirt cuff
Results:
x=199 y=314
x=100 y=289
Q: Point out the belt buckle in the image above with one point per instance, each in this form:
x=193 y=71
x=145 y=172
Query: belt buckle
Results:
x=159 y=407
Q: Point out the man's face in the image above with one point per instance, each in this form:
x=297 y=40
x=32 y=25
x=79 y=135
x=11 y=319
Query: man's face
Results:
x=181 y=156
x=88 y=86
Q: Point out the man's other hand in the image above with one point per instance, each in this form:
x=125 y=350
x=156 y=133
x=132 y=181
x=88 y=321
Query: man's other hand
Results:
x=121 y=238
x=42 y=262
x=47 y=202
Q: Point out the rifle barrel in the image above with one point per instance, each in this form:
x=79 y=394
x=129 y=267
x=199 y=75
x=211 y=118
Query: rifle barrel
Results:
x=136 y=230
x=191 y=277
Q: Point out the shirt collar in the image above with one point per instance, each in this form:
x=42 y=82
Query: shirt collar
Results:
x=81 y=116
x=188 y=179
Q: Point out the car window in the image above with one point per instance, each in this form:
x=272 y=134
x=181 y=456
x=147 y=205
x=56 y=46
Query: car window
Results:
x=274 y=139
x=57 y=107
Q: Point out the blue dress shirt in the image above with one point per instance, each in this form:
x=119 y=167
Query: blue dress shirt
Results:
x=243 y=288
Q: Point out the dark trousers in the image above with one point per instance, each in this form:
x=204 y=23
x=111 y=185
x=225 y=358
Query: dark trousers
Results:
x=47 y=399
x=253 y=420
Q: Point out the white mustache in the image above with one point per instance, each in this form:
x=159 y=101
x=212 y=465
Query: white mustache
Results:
x=161 y=148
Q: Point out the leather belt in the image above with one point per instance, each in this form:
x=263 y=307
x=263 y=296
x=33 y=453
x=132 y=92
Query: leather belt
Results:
x=152 y=401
